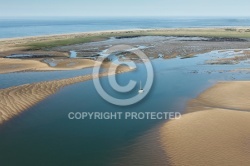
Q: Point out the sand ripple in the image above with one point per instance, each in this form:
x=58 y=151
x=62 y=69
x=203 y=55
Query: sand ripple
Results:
x=15 y=100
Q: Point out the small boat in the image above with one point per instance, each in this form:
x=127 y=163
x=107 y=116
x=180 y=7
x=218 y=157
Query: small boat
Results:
x=140 y=90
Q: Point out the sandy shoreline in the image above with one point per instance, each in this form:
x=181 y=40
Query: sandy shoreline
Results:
x=8 y=44
x=15 y=100
x=70 y=34
x=215 y=129
x=19 y=43
x=117 y=31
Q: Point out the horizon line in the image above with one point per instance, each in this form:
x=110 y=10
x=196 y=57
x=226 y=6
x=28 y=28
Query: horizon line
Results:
x=221 y=16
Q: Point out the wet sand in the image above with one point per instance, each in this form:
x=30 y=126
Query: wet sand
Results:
x=166 y=46
x=15 y=100
x=17 y=65
x=215 y=129
x=241 y=56
x=168 y=43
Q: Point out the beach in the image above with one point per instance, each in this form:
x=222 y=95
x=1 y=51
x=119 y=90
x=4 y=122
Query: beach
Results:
x=214 y=129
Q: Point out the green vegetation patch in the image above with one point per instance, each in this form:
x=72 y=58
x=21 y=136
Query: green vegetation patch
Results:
x=63 y=42
x=194 y=32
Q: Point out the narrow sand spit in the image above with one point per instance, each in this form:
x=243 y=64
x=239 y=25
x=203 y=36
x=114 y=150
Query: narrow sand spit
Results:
x=15 y=65
x=217 y=134
x=12 y=44
x=15 y=100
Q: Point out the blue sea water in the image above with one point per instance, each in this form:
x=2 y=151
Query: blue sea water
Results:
x=20 y=27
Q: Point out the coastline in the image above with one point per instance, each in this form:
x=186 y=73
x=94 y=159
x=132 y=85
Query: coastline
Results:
x=32 y=42
x=213 y=130
x=123 y=30
x=73 y=33
x=57 y=47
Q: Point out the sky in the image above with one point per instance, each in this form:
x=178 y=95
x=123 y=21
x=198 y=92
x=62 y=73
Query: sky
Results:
x=102 y=8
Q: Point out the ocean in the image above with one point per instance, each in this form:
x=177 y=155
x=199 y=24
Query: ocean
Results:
x=21 y=27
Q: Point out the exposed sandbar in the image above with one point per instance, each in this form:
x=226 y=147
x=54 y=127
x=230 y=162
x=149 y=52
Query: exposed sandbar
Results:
x=16 y=65
x=225 y=95
x=15 y=100
x=218 y=134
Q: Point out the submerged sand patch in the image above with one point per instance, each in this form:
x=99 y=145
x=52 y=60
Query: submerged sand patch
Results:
x=217 y=134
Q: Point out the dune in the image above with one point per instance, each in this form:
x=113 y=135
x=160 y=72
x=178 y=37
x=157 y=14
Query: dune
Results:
x=15 y=100
x=214 y=131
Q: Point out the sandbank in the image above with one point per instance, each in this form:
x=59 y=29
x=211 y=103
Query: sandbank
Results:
x=15 y=100
x=215 y=129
